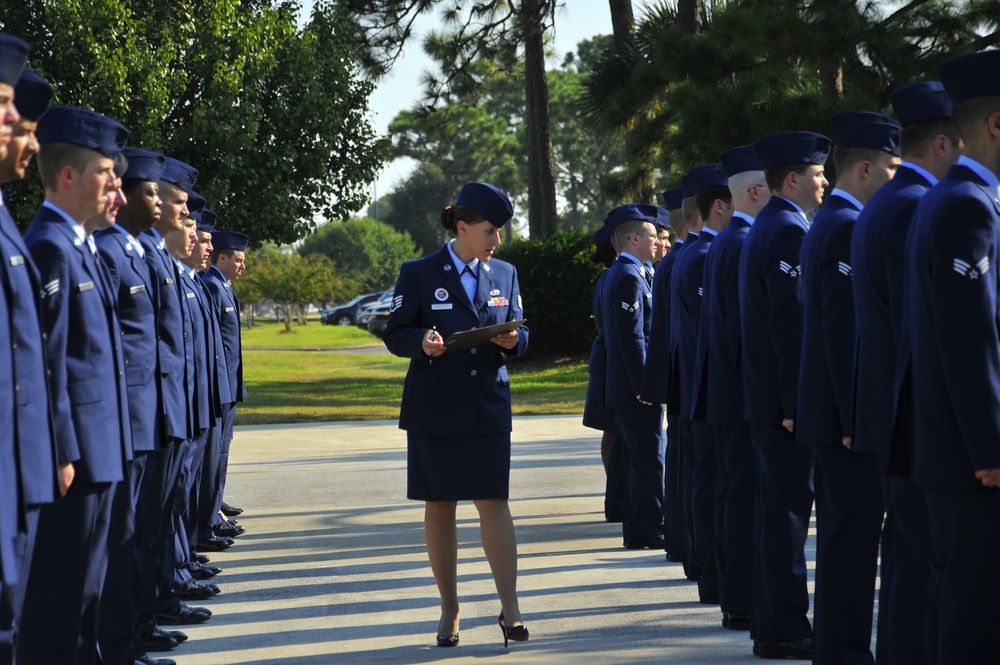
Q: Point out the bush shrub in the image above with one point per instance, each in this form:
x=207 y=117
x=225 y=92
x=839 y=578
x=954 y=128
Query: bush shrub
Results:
x=557 y=287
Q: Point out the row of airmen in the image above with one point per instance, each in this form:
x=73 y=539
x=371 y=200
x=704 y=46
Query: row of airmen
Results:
x=120 y=370
x=848 y=357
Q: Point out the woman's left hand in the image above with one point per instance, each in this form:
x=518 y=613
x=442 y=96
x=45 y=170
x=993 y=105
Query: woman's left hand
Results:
x=506 y=340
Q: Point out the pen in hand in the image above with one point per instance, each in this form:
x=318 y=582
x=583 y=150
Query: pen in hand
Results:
x=433 y=344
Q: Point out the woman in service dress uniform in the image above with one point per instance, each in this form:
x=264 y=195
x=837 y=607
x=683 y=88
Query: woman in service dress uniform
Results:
x=456 y=404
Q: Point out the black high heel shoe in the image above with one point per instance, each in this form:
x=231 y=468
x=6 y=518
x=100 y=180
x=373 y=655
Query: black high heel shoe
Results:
x=515 y=633
x=450 y=641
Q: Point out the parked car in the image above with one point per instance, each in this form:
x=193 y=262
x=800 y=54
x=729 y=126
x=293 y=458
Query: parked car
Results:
x=378 y=316
x=343 y=315
x=364 y=312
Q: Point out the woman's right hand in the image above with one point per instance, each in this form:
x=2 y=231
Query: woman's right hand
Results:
x=433 y=343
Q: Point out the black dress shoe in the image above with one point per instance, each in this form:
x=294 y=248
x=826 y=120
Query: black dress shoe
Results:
x=182 y=615
x=675 y=558
x=513 y=633
x=643 y=544
x=226 y=530
x=614 y=519
x=202 y=558
x=709 y=600
x=177 y=635
x=200 y=571
x=214 y=544
x=801 y=650
x=195 y=590
x=155 y=641
x=149 y=660
x=735 y=621
x=230 y=511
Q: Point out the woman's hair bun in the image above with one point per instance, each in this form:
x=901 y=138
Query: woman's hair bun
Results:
x=448 y=218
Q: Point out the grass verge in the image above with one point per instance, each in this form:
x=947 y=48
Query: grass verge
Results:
x=296 y=386
x=266 y=334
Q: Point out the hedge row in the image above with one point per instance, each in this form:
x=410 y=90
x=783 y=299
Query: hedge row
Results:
x=557 y=285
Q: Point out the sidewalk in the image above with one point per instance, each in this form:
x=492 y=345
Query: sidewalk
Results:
x=332 y=568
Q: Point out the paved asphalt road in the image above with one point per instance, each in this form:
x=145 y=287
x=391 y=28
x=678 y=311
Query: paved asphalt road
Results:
x=332 y=568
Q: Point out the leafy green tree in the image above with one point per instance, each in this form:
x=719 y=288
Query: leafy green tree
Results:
x=272 y=114
x=290 y=280
x=366 y=253
x=505 y=32
x=754 y=67
x=414 y=207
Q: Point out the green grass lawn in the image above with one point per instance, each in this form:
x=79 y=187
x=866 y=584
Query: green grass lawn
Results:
x=299 y=386
x=268 y=334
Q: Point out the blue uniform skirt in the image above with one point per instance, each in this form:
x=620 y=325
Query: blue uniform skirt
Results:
x=457 y=468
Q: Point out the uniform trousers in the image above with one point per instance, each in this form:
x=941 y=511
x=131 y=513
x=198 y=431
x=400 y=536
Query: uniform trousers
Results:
x=206 y=509
x=785 y=487
x=965 y=548
x=166 y=597
x=12 y=596
x=228 y=421
x=685 y=484
x=615 y=494
x=153 y=532
x=116 y=631
x=904 y=592
x=849 y=510
x=737 y=495
x=704 y=482
x=641 y=427
x=187 y=501
x=674 y=522
x=60 y=616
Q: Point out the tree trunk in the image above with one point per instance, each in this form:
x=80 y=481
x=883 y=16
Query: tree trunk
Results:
x=250 y=317
x=689 y=16
x=622 y=20
x=286 y=310
x=542 y=219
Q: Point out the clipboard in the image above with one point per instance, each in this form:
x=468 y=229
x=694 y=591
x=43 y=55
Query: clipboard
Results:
x=469 y=338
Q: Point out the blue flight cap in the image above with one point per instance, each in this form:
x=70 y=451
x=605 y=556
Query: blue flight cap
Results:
x=706 y=176
x=627 y=213
x=32 y=96
x=206 y=221
x=792 y=148
x=866 y=130
x=230 y=240
x=488 y=200
x=143 y=164
x=179 y=173
x=195 y=215
x=602 y=236
x=66 y=124
x=970 y=76
x=672 y=198
x=659 y=215
x=920 y=102
x=686 y=187
x=13 y=55
x=195 y=203
x=740 y=160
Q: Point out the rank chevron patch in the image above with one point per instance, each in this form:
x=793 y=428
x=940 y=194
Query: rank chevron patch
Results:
x=789 y=269
x=972 y=271
x=634 y=307
x=844 y=268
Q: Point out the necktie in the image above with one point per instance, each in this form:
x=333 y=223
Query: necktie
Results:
x=469 y=283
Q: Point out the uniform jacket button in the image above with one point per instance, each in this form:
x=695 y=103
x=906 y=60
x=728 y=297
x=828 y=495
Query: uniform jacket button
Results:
x=473 y=373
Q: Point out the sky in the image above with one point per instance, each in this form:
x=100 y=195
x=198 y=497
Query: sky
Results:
x=575 y=21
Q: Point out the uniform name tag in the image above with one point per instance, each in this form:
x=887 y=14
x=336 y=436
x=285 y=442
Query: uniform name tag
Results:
x=497 y=302
x=137 y=289
x=85 y=286
x=650 y=295
x=17 y=260
x=230 y=309
x=441 y=305
x=190 y=294
x=168 y=280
